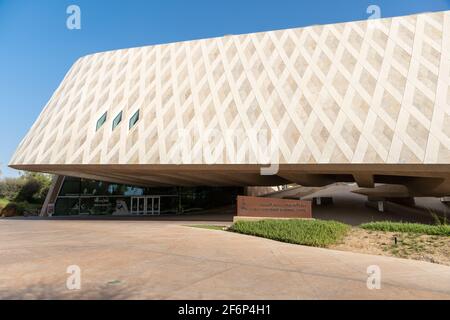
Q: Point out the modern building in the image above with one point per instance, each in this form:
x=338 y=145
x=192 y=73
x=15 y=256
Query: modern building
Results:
x=365 y=102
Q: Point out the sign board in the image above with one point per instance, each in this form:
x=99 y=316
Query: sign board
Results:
x=273 y=208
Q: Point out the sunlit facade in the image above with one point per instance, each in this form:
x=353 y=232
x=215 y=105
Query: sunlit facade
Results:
x=365 y=102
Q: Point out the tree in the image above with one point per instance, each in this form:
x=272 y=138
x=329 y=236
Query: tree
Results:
x=28 y=191
x=31 y=187
x=10 y=187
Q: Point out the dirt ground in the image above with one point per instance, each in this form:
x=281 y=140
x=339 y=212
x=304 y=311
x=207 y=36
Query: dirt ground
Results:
x=435 y=249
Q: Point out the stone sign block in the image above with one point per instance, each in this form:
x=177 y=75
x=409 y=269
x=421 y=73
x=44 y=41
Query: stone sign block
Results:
x=273 y=208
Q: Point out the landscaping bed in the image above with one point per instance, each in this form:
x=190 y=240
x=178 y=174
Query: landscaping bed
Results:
x=429 y=243
x=317 y=233
x=434 y=230
x=430 y=248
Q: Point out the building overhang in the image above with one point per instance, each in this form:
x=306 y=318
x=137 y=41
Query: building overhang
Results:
x=421 y=179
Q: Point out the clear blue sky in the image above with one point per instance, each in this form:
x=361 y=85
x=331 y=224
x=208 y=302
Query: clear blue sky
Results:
x=36 y=48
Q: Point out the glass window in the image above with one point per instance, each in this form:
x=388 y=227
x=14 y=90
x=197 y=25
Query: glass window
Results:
x=117 y=120
x=70 y=187
x=101 y=121
x=134 y=119
x=84 y=196
x=67 y=207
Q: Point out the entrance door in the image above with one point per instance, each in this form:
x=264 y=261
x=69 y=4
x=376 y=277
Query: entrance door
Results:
x=147 y=205
x=138 y=205
x=155 y=207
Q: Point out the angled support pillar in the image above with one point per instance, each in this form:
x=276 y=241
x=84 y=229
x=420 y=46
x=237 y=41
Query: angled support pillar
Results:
x=52 y=194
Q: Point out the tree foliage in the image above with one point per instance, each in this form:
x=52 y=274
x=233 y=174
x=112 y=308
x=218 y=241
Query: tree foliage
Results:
x=10 y=187
x=31 y=187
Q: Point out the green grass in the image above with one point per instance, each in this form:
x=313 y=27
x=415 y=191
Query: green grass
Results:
x=317 y=233
x=3 y=202
x=207 y=226
x=434 y=230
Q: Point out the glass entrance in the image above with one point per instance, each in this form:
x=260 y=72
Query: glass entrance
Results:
x=148 y=205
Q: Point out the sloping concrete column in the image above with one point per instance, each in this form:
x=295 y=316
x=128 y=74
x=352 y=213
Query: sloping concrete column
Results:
x=52 y=194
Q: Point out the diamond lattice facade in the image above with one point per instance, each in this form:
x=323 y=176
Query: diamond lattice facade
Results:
x=364 y=101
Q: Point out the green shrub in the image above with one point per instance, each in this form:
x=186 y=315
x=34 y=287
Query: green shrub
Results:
x=28 y=191
x=29 y=187
x=3 y=203
x=317 y=233
x=10 y=187
x=437 y=219
x=13 y=209
x=435 y=230
x=19 y=209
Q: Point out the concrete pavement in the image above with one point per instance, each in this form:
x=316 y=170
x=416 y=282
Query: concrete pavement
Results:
x=168 y=260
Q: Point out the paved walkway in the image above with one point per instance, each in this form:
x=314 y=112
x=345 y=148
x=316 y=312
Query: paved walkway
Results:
x=168 y=260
